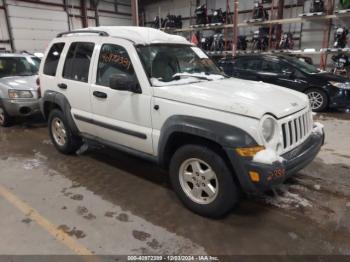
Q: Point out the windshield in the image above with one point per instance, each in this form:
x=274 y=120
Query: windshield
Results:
x=19 y=66
x=168 y=64
x=303 y=66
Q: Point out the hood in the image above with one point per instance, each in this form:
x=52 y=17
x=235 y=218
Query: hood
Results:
x=20 y=82
x=324 y=77
x=249 y=98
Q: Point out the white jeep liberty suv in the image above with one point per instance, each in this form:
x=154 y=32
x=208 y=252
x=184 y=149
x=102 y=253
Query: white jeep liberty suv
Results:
x=158 y=96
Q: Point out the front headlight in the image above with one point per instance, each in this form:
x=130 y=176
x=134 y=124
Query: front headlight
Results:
x=15 y=94
x=268 y=128
x=340 y=85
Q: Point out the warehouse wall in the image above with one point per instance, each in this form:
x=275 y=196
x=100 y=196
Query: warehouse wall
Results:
x=4 y=36
x=108 y=19
x=34 y=25
x=312 y=32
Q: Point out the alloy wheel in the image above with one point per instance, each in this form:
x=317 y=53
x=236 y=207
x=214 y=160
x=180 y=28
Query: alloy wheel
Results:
x=316 y=100
x=59 y=132
x=199 y=181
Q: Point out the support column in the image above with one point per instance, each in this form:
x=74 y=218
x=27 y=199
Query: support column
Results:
x=67 y=12
x=271 y=27
x=97 y=18
x=235 y=28
x=8 y=25
x=83 y=13
x=135 y=12
x=279 y=16
x=327 y=34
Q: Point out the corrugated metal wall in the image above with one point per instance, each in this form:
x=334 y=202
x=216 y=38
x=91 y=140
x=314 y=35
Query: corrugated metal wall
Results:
x=34 y=25
x=4 y=35
x=108 y=19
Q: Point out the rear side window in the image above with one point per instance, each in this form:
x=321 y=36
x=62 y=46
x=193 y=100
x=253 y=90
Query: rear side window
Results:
x=248 y=63
x=52 y=59
x=76 y=66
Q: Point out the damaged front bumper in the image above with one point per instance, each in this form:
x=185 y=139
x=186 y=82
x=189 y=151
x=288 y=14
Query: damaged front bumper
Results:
x=271 y=175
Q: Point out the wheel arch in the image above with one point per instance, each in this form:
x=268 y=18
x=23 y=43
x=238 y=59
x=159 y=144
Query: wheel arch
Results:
x=54 y=100
x=323 y=89
x=180 y=130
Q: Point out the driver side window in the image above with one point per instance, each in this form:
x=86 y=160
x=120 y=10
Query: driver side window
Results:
x=295 y=72
x=113 y=60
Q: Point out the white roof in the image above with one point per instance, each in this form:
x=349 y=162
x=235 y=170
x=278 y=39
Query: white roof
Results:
x=15 y=55
x=140 y=35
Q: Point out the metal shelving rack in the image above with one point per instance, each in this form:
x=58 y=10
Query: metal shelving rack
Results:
x=324 y=51
x=268 y=22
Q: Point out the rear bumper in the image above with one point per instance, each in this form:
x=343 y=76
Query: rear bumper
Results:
x=272 y=175
x=21 y=107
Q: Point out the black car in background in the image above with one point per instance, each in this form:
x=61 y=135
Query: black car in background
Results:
x=325 y=90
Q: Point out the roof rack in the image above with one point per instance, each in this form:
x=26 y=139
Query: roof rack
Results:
x=100 y=33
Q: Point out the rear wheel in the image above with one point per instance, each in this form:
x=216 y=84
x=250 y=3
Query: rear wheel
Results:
x=61 y=134
x=202 y=181
x=318 y=99
x=5 y=119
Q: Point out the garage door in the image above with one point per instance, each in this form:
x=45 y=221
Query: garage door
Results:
x=34 y=28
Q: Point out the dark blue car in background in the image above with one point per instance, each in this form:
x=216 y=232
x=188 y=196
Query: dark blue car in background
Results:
x=325 y=90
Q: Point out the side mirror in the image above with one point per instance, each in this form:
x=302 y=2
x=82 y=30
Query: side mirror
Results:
x=124 y=82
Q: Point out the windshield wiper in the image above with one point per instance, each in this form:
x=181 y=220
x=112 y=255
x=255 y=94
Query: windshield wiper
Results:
x=202 y=76
x=178 y=76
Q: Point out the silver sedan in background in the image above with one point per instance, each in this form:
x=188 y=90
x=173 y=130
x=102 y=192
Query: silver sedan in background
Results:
x=19 y=90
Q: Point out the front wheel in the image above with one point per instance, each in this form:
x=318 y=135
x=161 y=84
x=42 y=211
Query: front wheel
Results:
x=5 y=119
x=318 y=99
x=61 y=135
x=202 y=181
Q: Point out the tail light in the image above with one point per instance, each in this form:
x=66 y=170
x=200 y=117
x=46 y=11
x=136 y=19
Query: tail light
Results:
x=39 y=88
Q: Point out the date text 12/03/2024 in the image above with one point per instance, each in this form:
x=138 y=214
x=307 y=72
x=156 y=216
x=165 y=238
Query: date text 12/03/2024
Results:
x=173 y=258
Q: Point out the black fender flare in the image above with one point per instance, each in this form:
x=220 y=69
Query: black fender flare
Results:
x=227 y=136
x=62 y=102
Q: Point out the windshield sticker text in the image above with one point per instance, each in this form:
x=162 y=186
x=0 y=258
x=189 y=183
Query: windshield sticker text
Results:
x=116 y=59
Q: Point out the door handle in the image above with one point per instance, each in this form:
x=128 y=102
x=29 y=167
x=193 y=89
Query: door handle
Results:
x=100 y=94
x=62 y=86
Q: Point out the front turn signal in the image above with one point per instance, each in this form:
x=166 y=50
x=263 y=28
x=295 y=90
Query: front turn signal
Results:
x=254 y=176
x=249 y=151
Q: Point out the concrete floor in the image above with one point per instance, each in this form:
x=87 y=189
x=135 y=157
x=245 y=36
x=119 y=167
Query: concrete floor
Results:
x=105 y=202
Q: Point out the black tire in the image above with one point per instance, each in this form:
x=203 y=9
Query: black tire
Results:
x=72 y=142
x=5 y=119
x=322 y=95
x=228 y=192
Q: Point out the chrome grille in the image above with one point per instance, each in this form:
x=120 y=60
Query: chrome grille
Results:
x=296 y=128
